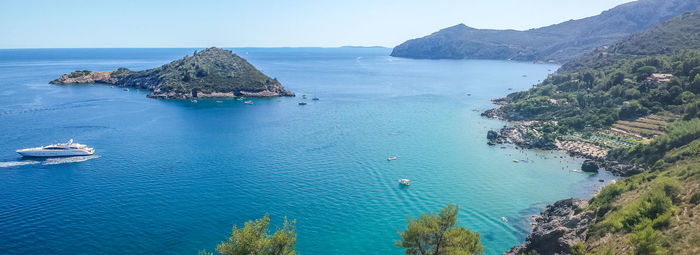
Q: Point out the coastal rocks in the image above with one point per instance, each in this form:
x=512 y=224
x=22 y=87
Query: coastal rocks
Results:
x=589 y=166
x=621 y=169
x=521 y=136
x=557 y=229
x=84 y=77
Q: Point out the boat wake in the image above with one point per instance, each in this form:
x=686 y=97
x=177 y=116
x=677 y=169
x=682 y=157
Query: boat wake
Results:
x=18 y=163
x=56 y=161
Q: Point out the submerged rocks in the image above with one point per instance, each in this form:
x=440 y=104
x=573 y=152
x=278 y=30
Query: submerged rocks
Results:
x=557 y=229
x=589 y=166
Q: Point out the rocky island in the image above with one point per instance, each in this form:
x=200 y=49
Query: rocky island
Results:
x=211 y=73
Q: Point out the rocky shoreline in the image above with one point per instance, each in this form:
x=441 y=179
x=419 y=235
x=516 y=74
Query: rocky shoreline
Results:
x=565 y=222
x=558 y=228
x=521 y=134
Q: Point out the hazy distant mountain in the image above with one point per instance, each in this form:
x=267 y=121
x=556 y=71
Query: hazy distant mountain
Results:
x=559 y=42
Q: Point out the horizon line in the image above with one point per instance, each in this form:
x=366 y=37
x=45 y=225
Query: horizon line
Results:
x=223 y=47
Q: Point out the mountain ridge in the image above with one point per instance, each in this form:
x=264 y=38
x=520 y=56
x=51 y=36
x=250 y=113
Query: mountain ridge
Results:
x=554 y=43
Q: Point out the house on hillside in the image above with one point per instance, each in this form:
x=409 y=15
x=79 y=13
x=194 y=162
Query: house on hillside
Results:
x=660 y=77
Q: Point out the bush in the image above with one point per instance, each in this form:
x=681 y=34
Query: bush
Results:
x=647 y=242
x=695 y=198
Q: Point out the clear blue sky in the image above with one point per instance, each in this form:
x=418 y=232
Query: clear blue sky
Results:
x=266 y=23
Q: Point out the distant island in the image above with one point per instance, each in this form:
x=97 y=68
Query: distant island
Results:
x=554 y=44
x=211 y=73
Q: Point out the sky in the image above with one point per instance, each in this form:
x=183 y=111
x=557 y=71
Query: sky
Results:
x=266 y=23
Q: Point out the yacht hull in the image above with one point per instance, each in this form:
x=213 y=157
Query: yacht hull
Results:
x=46 y=154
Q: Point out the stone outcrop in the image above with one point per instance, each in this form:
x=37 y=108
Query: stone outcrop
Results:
x=589 y=166
x=83 y=77
x=557 y=229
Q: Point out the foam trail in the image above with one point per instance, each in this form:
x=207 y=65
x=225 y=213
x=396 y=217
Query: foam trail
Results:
x=18 y=163
x=56 y=161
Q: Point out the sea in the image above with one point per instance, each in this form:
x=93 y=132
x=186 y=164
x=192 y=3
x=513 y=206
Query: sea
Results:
x=174 y=176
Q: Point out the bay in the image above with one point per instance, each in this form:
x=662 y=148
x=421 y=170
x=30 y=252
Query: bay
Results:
x=173 y=177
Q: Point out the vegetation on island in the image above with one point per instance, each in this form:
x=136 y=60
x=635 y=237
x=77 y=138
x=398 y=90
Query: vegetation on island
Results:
x=560 y=42
x=212 y=72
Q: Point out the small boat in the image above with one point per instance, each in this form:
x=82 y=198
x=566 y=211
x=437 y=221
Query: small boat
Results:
x=194 y=100
x=111 y=86
x=391 y=158
x=315 y=99
x=302 y=103
x=126 y=89
x=524 y=75
x=504 y=219
x=510 y=88
x=240 y=98
x=468 y=94
x=516 y=161
x=248 y=102
x=303 y=96
x=475 y=110
x=219 y=101
x=58 y=150
x=405 y=182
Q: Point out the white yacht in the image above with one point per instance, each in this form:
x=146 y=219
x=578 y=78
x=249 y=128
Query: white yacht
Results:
x=405 y=182
x=58 y=150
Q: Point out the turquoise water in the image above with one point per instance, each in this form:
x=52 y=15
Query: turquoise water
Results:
x=172 y=177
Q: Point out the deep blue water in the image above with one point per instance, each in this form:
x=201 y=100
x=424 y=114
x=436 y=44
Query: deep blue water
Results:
x=173 y=177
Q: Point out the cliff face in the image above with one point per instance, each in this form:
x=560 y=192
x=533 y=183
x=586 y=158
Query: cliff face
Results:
x=213 y=72
x=560 y=42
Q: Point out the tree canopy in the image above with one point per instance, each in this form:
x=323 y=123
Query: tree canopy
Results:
x=255 y=239
x=436 y=234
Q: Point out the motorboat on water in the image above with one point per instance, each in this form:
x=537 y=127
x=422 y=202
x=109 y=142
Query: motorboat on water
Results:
x=248 y=102
x=405 y=182
x=58 y=150
x=315 y=99
x=302 y=103
x=391 y=158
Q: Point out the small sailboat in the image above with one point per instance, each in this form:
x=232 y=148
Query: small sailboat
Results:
x=391 y=158
x=302 y=103
x=405 y=182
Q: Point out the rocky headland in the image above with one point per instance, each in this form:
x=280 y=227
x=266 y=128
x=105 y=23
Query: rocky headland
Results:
x=211 y=73
x=558 y=228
